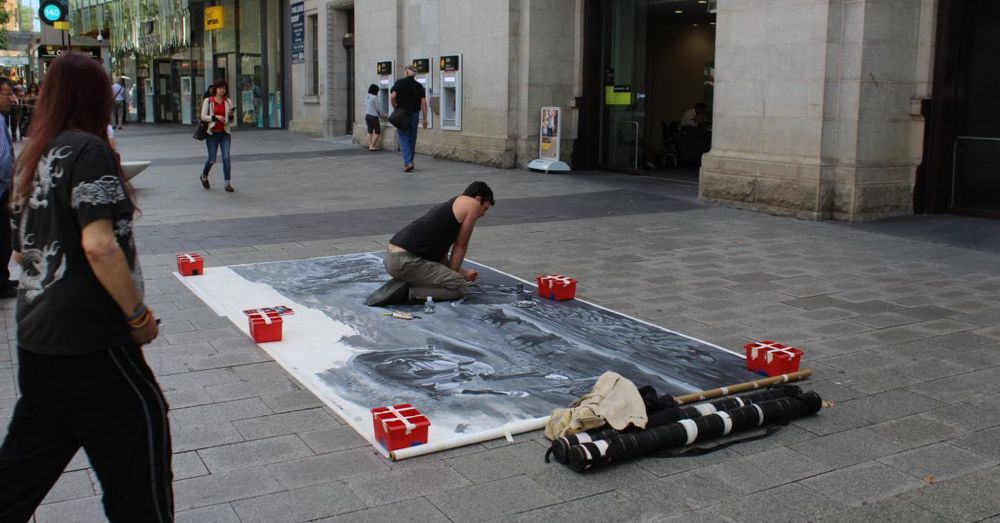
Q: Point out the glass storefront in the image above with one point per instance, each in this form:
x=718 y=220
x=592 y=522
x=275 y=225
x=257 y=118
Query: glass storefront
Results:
x=170 y=60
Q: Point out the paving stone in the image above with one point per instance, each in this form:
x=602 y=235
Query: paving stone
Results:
x=499 y=463
x=285 y=423
x=881 y=380
x=940 y=461
x=292 y=400
x=791 y=502
x=847 y=448
x=963 y=341
x=568 y=485
x=892 y=510
x=493 y=500
x=223 y=488
x=985 y=442
x=864 y=483
x=188 y=465
x=971 y=498
x=332 y=440
x=225 y=458
x=247 y=389
x=765 y=470
x=388 y=487
x=971 y=415
x=298 y=505
x=215 y=514
x=410 y=510
x=83 y=510
x=915 y=431
x=932 y=369
x=607 y=506
x=71 y=485
x=328 y=468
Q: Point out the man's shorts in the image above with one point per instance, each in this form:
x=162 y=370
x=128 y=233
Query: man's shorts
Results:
x=373 y=124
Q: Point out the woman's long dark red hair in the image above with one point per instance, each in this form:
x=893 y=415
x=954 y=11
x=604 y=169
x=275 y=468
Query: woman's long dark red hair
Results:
x=74 y=96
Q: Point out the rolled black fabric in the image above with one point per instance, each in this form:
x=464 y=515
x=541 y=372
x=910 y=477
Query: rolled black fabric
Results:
x=620 y=446
x=664 y=415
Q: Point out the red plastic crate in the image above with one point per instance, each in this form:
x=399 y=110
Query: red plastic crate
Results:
x=400 y=426
x=265 y=326
x=772 y=359
x=556 y=287
x=190 y=264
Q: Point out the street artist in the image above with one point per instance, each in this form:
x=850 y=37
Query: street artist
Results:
x=425 y=257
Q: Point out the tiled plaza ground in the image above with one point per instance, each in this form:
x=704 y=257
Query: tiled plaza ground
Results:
x=900 y=321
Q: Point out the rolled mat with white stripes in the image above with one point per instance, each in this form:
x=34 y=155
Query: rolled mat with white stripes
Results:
x=623 y=446
x=560 y=446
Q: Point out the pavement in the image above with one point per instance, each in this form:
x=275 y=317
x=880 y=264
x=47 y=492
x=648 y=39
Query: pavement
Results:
x=899 y=320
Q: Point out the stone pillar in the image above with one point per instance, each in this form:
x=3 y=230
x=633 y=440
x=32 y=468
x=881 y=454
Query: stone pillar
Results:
x=812 y=112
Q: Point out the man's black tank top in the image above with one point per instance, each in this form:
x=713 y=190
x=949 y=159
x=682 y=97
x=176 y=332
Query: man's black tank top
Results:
x=431 y=235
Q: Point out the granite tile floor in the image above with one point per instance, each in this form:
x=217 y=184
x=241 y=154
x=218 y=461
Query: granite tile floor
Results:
x=900 y=321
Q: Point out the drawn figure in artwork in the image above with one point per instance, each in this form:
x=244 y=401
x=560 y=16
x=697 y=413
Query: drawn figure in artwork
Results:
x=81 y=320
x=425 y=257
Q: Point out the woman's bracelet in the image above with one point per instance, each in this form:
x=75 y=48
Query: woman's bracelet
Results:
x=141 y=321
x=139 y=311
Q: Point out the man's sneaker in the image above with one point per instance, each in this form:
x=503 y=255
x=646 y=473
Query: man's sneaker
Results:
x=408 y=168
x=394 y=292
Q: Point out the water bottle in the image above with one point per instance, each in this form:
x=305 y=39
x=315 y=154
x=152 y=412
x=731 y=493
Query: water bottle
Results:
x=429 y=306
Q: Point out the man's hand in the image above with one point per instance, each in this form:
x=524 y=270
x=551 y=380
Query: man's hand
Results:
x=470 y=274
x=425 y=122
x=148 y=332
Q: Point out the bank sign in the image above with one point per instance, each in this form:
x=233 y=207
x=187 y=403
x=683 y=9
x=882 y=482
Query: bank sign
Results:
x=298 y=12
x=214 y=18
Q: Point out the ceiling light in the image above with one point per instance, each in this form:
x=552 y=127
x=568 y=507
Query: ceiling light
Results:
x=711 y=23
x=679 y=11
x=702 y=1
x=694 y=25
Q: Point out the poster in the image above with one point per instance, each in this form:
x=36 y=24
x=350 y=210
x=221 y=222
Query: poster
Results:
x=298 y=15
x=548 y=146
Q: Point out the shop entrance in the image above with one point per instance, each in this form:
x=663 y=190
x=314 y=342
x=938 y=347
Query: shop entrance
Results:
x=961 y=169
x=655 y=64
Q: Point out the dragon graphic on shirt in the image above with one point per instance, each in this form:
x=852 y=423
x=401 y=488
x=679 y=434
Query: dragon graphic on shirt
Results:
x=40 y=268
x=107 y=189
x=45 y=176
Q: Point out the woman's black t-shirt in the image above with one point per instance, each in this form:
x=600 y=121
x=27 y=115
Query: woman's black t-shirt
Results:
x=61 y=306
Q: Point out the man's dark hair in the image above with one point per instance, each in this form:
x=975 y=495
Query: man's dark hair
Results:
x=701 y=106
x=480 y=189
x=6 y=81
x=372 y=89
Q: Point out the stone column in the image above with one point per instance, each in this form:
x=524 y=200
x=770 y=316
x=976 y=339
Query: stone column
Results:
x=812 y=112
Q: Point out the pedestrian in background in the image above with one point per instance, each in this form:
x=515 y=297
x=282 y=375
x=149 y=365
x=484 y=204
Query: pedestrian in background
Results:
x=372 y=115
x=28 y=109
x=14 y=114
x=8 y=288
x=408 y=94
x=121 y=97
x=81 y=321
x=217 y=110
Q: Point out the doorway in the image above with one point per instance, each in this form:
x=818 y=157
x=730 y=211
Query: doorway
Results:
x=961 y=169
x=655 y=62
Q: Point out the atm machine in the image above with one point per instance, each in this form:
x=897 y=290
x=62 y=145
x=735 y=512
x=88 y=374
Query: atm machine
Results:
x=451 y=92
x=385 y=81
x=426 y=79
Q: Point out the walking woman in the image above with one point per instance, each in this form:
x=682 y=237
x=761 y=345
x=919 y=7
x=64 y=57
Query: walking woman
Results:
x=220 y=114
x=372 y=114
x=81 y=321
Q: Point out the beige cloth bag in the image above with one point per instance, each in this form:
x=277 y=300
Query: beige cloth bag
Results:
x=614 y=400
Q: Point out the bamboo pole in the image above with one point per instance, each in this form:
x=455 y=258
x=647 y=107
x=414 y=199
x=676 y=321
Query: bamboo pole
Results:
x=742 y=387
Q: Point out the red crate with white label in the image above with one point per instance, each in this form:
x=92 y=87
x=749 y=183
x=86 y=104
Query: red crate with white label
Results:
x=400 y=426
x=265 y=326
x=190 y=264
x=556 y=287
x=772 y=359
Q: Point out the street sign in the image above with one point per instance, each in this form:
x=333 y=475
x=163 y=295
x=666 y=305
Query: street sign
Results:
x=50 y=12
x=214 y=18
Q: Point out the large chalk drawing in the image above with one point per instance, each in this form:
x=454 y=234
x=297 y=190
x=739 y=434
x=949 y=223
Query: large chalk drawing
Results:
x=472 y=366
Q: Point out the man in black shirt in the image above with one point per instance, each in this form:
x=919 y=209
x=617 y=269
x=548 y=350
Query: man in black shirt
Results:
x=418 y=257
x=407 y=93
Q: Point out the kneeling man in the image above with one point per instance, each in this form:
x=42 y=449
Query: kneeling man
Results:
x=418 y=257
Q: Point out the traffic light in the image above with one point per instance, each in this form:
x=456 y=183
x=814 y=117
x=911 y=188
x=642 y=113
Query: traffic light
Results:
x=50 y=12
